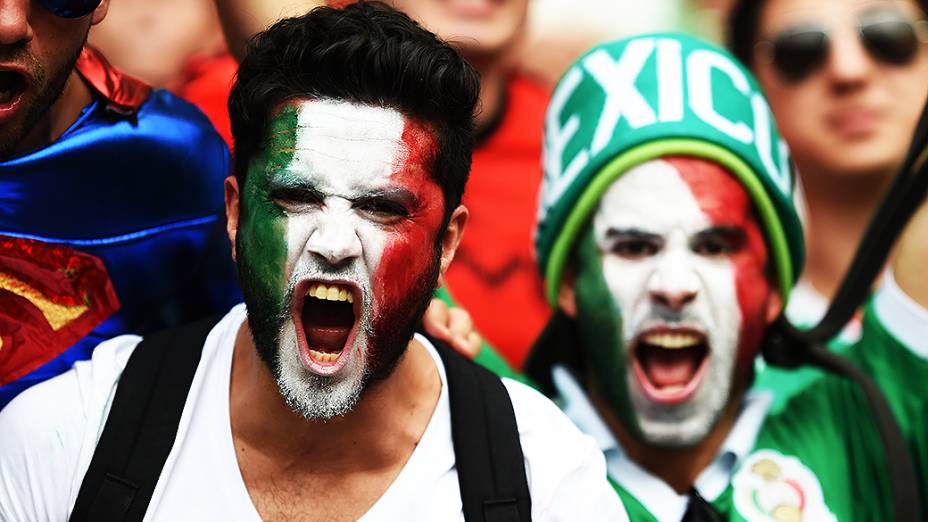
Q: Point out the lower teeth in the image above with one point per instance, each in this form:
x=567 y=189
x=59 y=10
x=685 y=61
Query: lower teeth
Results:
x=324 y=357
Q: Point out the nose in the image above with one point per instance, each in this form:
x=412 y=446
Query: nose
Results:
x=673 y=285
x=14 y=21
x=335 y=240
x=849 y=65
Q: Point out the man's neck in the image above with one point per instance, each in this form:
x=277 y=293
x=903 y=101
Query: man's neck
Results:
x=60 y=116
x=493 y=74
x=678 y=467
x=839 y=208
x=383 y=427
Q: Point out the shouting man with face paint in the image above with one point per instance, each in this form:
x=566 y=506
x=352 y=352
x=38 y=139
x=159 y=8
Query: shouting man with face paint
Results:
x=669 y=243
x=353 y=133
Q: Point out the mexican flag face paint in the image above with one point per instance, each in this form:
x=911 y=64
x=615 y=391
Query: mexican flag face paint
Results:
x=338 y=247
x=672 y=296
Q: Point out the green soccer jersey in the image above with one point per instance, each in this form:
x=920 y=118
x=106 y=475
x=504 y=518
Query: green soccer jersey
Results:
x=820 y=458
x=806 y=307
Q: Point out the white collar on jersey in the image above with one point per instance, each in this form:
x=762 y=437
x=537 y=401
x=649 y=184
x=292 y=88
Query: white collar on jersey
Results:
x=655 y=495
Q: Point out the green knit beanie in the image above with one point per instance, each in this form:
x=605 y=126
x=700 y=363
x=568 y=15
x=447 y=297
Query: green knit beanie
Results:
x=630 y=101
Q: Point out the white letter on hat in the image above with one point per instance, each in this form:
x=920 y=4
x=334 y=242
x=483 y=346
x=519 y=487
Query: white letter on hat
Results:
x=617 y=79
x=699 y=66
x=669 y=80
x=764 y=150
x=556 y=139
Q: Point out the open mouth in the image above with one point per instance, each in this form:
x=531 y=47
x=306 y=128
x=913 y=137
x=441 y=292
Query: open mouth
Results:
x=670 y=363
x=12 y=86
x=325 y=320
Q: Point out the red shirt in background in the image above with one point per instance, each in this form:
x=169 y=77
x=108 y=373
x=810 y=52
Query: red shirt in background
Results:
x=206 y=83
x=494 y=276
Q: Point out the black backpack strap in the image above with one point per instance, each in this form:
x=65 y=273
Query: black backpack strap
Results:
x=142 y=425
x=790 y=347
x=487 y=448
x=556 y=345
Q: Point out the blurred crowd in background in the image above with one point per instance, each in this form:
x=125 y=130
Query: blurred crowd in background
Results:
x=847 y=114
x=845 y=80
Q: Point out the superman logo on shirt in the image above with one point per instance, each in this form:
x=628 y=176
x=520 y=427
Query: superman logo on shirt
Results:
x=50 y=296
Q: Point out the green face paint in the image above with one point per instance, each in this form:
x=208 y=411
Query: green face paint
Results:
x=335 y=212
x=262 y=232
x=600 y=324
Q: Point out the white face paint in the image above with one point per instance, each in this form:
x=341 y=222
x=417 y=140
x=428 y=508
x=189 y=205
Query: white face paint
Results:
x=345 y=154
x=675 y=295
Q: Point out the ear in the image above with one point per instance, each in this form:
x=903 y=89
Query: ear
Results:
x=774 y=306
x=566 y=296
x=452 y=237
x=100 y=12
x=232 y=197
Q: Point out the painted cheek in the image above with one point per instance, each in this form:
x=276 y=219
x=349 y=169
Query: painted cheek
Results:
x=600 y=323
x=263 y=232
x=409 y=250
x=264 y=225
x=753 y=289
x=726 y=202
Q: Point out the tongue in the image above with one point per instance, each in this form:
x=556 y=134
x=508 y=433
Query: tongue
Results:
x=669 y=367
x=327 y=324
x=327 y=339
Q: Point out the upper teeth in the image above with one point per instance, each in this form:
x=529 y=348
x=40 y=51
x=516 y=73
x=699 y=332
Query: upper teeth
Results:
x=672 y=341
x=329 y=293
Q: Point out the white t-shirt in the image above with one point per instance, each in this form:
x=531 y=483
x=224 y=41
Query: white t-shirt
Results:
x=48 y=435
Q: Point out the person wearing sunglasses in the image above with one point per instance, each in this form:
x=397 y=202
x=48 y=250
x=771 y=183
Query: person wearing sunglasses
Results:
x=846 y=80
x=110 y=198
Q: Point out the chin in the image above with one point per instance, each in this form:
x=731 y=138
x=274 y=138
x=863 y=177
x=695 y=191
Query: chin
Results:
x=311 y=394
x=683 y=412
x=855 y=161
x=685 y=424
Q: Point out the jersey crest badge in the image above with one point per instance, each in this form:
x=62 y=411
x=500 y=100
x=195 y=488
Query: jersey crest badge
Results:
x=770 y=486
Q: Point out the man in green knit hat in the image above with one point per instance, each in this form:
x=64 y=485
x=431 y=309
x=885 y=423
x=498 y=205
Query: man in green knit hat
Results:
x=669 y=243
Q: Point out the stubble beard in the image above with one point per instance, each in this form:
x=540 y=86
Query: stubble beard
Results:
x=50 y=90
x=378 y=347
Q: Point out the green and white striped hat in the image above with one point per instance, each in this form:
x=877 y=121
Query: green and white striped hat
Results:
x=633 y=100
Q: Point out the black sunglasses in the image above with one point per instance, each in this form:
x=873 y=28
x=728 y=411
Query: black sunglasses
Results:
x=70 y=8
x=887 y=35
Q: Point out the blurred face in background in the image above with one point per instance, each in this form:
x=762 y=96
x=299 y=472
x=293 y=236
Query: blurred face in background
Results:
x=38 y=51
x=847 y=80
x=480 y=29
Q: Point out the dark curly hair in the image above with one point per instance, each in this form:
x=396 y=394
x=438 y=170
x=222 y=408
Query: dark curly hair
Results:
x=743 y=28
x=367 y=53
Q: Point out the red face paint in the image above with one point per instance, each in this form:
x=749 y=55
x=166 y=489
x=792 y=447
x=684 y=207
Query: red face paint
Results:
x=406 y=262
x=726 y=203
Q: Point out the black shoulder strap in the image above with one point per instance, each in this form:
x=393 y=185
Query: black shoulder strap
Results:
x=788 y=346
x=556 y=345
x=487 y=448
x=141 y=426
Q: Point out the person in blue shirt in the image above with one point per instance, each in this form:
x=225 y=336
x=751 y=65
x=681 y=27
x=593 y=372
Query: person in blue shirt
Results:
x=111 y=205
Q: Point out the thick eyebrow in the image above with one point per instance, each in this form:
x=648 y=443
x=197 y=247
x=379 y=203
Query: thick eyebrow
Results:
x=721 y=230
x=296 y=189
x=631 y=233
x=397 y=194
x=305 y=190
